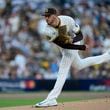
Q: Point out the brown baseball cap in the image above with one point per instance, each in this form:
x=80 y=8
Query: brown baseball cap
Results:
x=49 y=11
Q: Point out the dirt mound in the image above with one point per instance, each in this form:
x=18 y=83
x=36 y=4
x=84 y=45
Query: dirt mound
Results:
x=94 y=104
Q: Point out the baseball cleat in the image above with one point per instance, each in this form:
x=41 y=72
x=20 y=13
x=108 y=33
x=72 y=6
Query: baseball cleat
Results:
x=46 y=103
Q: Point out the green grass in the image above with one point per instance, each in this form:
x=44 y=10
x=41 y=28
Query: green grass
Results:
x=7 y=101
x=17 y=102
x=20 y=102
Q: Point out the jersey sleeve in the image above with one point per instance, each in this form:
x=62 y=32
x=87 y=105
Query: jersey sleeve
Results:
x=50 y=34
x=74 y=26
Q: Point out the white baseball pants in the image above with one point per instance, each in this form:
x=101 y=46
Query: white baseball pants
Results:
x=72 y=57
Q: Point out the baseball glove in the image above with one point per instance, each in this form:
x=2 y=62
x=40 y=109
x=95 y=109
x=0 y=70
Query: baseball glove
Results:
x=63 y=37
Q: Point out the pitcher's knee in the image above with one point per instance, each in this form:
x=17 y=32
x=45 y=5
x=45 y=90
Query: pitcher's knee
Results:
x=79 y=66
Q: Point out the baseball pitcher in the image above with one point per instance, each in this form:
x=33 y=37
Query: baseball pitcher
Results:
x=64 y=32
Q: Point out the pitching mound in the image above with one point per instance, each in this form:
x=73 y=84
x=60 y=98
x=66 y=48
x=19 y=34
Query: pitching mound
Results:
x=94 y=104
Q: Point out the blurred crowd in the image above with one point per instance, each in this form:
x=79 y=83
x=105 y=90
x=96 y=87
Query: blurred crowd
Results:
x=24 y=51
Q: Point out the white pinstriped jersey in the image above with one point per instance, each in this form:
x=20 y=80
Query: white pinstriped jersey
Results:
x=72 y=27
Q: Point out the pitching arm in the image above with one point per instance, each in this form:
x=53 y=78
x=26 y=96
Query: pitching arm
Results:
x=70 y=45
x=74 y=46
x=75 y=29
x=78 y=37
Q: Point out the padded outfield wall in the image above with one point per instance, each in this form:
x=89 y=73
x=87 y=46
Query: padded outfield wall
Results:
x=40 y=85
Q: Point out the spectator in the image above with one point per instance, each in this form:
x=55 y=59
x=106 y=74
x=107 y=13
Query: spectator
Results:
x=21 y=28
